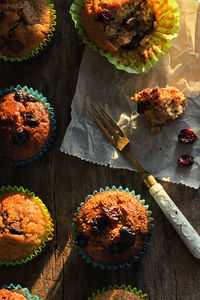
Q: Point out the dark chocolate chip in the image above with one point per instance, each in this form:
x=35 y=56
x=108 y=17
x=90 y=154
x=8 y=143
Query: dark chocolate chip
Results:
x=15 y=46
x=127 y=236
x=98 y=224
x=142 y=107
x=15 y=228
x=19 y=137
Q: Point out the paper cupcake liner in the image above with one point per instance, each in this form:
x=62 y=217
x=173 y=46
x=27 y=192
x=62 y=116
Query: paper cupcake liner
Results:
x=135 y=258
x=52 y=133
x=22 y=291
x=144 y=57
x=41 y=46
x=119 y=287
x=49 y=225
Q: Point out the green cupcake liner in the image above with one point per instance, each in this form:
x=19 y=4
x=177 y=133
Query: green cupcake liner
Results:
x=41 y=46
x=23 y=291
x=49 y=226
x=144 y=57
x=52 y=133
x=119 y=287
x=135 y=258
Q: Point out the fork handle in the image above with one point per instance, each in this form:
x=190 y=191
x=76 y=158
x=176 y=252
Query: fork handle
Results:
x=184 y=229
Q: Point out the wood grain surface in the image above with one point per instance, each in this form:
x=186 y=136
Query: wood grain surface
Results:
x=167 y=271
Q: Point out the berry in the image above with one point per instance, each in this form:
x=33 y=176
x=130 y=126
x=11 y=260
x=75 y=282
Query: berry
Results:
x=112 y=213
x=185 y=160
x=30 y=120
x=19 y=137
x=104 y=15
x=23 y=96
x=187 y=136
x=98 y=224
x=127 y=236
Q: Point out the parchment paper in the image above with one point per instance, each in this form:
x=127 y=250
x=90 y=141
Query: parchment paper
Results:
x=157 y=152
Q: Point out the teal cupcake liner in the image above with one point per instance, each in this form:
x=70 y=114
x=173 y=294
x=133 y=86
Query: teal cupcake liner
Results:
x=119 y=287
x=145 y=57
x=49 y=226
x=135 y=258
x=22 y=291
x=52 y=133
x=42 y=45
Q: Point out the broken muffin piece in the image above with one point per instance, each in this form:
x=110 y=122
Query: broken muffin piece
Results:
x=114 y=24
x=160 y=105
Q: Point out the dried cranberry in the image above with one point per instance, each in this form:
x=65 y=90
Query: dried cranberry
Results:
x=30 y=120
x=98 y=224
x=127 y=236
x=104 y=15
x=23 y=96
x=185 y=160
x=80 y=241
x=19 y=137
x=112 y=213
x=187 y=136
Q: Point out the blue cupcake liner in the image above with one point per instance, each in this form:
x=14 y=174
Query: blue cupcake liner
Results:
x=52 y=117
x=23 y=291
x=119 y=287
x=135 y=258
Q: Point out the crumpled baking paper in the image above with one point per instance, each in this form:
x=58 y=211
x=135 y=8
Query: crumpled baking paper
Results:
x=157 y=152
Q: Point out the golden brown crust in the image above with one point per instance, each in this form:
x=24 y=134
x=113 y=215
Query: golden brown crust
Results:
x=24 y=25
x=160 y=105
x=22 y=226
x=118 y=295
x=101 y=246
x=10 y=295
x=112 y=32
x=18 y=117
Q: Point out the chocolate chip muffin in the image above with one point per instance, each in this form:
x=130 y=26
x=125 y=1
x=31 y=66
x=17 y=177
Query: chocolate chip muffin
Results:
x=24 y=125
x=24 y=25
x=119 y=294
x=160 y=105
x=111 y=226
x=10 y=295
x=114 y=24
x=25 y=225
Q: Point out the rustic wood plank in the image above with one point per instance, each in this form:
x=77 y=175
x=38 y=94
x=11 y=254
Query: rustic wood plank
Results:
x=167 y=271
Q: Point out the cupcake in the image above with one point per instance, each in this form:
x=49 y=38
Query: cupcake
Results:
x=12 y=292
x=112 y=226
x=27 y=124
x=160 y=105
x=25 y=26
x=119 y=292
x=25 y=225
x=133 y=35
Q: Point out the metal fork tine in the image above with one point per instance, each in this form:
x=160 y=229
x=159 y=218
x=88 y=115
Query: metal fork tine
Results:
x=109 y=126
x=110 y=118
x=103 y=129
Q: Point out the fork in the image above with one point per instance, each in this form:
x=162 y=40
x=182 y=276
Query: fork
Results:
x=120 y=141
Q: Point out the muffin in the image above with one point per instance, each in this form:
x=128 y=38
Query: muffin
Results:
x=160 y=105
x=25 y=125
x=25 y=225
x=118 y=295
x=24 y=26
x=113 y=24
x=112 y=226
x=132 y=35
x=12 y=292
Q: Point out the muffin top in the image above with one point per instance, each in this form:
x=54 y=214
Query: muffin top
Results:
x=118 y=295
x=111 y=226
x=113 y=25
x=10 y=295
x=24 y=25
x=160 y=105
x=23 y=225
x=24 y=125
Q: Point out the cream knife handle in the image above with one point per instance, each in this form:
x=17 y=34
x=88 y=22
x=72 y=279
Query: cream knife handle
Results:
x=185 y=230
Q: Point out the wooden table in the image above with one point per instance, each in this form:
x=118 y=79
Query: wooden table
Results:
x=167 y=271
